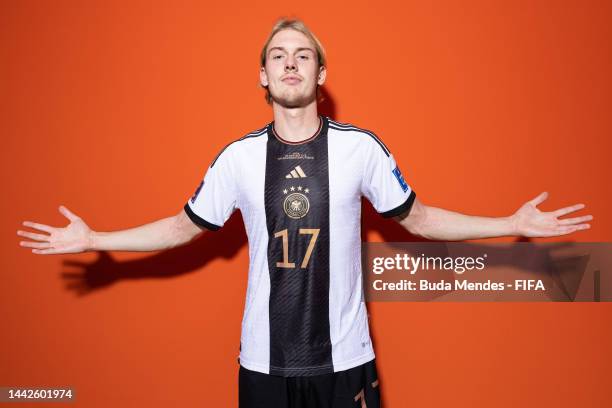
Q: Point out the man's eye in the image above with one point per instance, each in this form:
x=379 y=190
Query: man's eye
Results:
x=276 y=56
x=304 y=57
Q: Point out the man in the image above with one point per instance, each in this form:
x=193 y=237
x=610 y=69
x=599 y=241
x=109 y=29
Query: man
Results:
x=298 y=182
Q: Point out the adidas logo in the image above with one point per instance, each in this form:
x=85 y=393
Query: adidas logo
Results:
x=297 y=172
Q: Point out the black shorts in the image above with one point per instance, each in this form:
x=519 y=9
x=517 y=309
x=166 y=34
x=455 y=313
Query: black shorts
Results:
x=353 y=388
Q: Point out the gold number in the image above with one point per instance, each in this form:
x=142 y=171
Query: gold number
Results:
x=285 y=263
x=315 y=234
x=285 y=236
x=361 y=396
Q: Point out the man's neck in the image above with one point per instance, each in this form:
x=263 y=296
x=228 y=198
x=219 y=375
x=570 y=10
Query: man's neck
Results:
x=297 y=124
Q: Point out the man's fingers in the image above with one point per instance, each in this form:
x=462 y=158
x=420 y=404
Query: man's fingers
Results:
x=31 y=235
x=539 y=199
x=38 y=226
x=31 y=244
x=67 y=213
x=563 y=211
x=568 y=229
x=47 y=251
x=576 y=220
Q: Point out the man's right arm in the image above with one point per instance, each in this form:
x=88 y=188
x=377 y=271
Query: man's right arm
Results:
x=77 y=237
x=166 y=233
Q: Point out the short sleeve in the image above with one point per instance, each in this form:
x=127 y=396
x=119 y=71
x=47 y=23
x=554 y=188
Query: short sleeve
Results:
x=383 y=183
x=215 y=198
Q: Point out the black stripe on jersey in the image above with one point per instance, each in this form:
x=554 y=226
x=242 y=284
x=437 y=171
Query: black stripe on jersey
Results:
x=406 y=206
x=347 y=127
x=300 y=342
x=199 y=220
x=252 y=134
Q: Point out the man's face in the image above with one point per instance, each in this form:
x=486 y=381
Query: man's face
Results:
x=292 y=71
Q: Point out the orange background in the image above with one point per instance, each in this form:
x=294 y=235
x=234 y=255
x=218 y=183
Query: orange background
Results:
x=116 y=109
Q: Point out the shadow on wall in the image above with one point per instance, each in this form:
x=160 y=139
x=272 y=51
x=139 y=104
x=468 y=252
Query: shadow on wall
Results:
x=85 y=278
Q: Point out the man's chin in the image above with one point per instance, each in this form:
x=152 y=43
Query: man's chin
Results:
x=293 y=102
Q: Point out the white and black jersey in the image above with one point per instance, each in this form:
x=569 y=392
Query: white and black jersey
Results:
x=301 y=203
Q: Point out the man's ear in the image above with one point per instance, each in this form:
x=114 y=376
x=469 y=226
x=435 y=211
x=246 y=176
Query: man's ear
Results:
x=263 y=77
x=322 y=75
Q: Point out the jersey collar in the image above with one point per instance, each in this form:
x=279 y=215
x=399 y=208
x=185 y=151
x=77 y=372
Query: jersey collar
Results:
x=322 y=130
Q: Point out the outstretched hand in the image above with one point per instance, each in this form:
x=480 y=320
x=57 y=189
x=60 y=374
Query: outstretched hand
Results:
x=529 y=221
x=74 y=238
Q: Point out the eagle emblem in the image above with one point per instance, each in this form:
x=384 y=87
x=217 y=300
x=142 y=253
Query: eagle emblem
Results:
x=296 y=205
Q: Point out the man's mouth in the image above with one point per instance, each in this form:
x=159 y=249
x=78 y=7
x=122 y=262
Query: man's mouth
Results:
x=292 y=80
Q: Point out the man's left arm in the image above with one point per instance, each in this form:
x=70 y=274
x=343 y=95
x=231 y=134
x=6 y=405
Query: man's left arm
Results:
x=528 y=221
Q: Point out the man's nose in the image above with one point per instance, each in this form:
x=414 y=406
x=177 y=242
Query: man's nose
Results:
x=290 y=64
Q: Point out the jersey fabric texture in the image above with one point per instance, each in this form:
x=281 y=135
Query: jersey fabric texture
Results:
x=353 y=388
x=305 y=312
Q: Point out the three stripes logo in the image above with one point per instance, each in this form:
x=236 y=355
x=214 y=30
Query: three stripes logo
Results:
x=297 y=172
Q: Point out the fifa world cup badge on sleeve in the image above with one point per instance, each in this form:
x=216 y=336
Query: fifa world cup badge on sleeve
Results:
x=398 y=175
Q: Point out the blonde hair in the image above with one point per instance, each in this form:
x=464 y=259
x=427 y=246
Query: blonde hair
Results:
x=297 y=25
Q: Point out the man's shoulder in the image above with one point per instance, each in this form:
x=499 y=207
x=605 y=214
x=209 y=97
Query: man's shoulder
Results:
x=246 y=141
x=360 y=135
x=254 y=136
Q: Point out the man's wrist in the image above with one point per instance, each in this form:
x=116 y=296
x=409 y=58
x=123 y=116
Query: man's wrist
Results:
x=92 y=239
x=512 y=226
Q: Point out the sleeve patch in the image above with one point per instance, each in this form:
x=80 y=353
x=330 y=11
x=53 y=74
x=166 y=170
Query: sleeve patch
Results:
x=400 y=179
